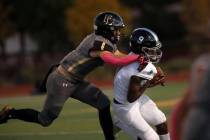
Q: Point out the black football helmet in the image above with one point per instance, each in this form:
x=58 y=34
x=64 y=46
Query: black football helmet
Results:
x=106 y=23
x=144 y=41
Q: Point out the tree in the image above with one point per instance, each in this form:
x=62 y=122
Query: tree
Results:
x=81 y=16
x=44 y=20
x=160 y=16
x=197 y=18
x=163 y=17
x=6 y=27
x=196 y=12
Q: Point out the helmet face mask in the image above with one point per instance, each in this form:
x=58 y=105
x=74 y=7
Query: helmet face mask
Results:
x=108 y=25
x=145 y=41
x=153 y=54
x=116 y=34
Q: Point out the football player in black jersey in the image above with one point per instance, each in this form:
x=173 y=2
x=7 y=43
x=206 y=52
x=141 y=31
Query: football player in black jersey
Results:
x=67 y=80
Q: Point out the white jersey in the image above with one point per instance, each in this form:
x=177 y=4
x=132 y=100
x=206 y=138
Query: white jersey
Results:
x=122 y=78
x=135 y=118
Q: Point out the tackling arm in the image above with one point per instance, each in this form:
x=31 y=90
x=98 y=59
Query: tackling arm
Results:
x=111 y=56
x=113 y=59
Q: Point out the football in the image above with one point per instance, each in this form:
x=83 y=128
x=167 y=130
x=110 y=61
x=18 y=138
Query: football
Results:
x=158 y=79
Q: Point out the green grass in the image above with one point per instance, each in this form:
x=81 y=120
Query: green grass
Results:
x=77 y=120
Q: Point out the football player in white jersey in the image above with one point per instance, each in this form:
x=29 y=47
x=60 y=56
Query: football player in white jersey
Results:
x=134 y=112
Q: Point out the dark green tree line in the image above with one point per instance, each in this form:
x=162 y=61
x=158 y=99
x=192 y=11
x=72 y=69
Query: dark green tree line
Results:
x=43 y=20
x=163 y=17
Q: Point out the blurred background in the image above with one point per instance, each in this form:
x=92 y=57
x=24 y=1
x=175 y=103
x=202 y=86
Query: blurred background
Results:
x=35 y=34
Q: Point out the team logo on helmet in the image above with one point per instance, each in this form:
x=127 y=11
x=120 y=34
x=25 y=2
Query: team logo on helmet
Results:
x=141 y=38
x=108 y=19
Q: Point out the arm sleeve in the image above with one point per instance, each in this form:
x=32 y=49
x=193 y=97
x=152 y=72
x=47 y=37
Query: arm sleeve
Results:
x=109 y=58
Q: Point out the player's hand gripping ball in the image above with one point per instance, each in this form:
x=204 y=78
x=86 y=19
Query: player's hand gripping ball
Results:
x=158 y=79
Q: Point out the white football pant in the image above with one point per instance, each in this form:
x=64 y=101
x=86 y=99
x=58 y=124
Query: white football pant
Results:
x=135 y=118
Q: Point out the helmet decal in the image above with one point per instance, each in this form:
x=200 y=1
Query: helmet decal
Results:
x=108 y=19
x=141 y=38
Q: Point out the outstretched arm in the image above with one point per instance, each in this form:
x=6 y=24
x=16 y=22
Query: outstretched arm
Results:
x=111 y=56
x=115 y=59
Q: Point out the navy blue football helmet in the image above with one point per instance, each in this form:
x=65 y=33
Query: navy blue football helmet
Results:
x=144 y=41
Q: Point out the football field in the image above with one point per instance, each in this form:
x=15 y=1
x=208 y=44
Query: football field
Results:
x=77 y=121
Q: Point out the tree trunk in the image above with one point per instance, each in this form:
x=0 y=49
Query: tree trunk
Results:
x=3 y=54
x=22 y=53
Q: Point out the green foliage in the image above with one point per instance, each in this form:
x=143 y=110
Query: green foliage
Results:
x=157 y=16
x=80 y=17
x=177 y=65
x=196 y=12
x=6 y=27
x=44 y=20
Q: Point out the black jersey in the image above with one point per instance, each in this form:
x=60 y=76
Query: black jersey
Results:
x=79 y=62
